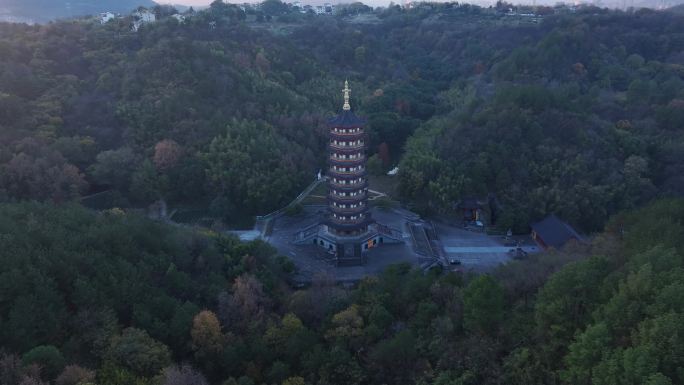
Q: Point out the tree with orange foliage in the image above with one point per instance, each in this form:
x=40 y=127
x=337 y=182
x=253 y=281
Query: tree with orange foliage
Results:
x=166 y=154
x=384 y=154
x=207 y=338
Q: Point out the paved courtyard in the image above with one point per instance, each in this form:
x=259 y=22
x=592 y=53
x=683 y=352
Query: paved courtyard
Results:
x=475 y=250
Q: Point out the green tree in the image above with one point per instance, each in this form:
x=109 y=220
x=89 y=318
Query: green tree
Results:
x=48 y=357
x=252 y=168
x=483 y=305
x=115 y=168
x=136 y=350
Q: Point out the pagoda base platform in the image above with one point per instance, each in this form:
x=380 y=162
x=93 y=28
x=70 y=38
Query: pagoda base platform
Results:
x=346 y=250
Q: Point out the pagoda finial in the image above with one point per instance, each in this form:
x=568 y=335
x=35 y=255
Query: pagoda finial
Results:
x=346 y=91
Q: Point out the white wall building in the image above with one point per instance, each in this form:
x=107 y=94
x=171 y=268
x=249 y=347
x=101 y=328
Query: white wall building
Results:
x=106 y=17
x=179 y=17
x=143 y=16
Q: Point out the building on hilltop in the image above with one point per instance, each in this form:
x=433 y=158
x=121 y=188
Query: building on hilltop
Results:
x=347 y=182
x=142 y=16
x=552 y=232
x=348 y=230
x=106 y=17
x=180 y=18
x=470 y=209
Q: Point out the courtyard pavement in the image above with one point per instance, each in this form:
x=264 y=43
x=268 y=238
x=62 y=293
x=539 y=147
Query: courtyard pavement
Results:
x=476 y=251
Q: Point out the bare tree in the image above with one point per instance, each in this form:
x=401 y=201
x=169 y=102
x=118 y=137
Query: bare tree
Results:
x=74 y=374
x=10 y=369
x=183 y=375
x=247 y=306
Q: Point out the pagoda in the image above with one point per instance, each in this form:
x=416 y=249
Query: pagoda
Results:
x=347 y=183
x=348 y=229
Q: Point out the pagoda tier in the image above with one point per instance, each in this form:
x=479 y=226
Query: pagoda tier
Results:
x=345 y=198
x=348 y=213
x=348 y=161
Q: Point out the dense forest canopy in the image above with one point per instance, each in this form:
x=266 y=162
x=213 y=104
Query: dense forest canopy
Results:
x=579 y=114
x=116 y=299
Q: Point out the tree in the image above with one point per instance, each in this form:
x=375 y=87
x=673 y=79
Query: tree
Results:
x=48 y=357
x=262 y=63
x=360 y=55
x=347 y=326
x=183 y=375
x=395 y=357
x=10 y=369
x=115 y=167
x=566 y=301
x=207 y=339
x=278 y=372
x=147 y=184
x=384 y=154
x=136 y=350
x=246 y=308
x=289 y=327
x=294 y=381
x=46 y=177
x=340 y=367
x=587 y=351
x=483 y=305
x=273 y=7
x=75 y=375
x=252 y=168
x=167 y=153
x=374 y=165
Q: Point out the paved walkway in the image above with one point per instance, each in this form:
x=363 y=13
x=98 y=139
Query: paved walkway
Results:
x=484 y=249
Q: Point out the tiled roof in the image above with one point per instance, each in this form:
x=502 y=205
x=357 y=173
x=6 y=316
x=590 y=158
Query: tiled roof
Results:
x=554 y=232
x=346 y=119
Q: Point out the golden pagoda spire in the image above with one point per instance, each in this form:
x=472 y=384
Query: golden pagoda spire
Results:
x=346 y=91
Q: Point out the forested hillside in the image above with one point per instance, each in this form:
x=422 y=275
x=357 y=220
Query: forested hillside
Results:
x=580 y=114
x=115 y=299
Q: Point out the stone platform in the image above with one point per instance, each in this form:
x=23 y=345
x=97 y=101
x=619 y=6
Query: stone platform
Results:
x=475 y=250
